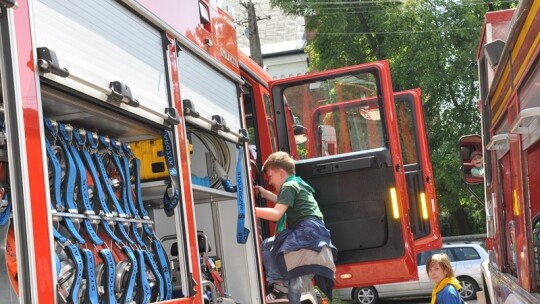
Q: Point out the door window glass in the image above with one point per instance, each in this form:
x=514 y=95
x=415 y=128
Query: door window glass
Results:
x=407 y=132
x=336 y=116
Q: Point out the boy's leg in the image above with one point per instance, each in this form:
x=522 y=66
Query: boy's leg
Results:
x=278 y=293
x=297 y=286
x=269 y=261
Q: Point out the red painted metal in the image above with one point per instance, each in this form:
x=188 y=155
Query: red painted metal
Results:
x=218 y=40
x=511 y=185
x=433 y=240
x=188 y=200
x=34 y=150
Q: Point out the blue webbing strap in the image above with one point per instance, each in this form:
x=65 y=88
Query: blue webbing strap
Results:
x=4 y=217
x=138 y=193
x=242 y=232
x=83 y=185
x=164 y=278
x=145 y=292
x=97 y=184
x=110 y=273
x=91 y=293
x=154 y=268
x=59 y=237
x=105 y=177
x=71 y=176
x=163 y=263
x=73 y=251
x=122 y=166
x=127 y=296
x=110 y=192
x=170 y=160
x=56 y=198
x=56 y=188
x=58 y=264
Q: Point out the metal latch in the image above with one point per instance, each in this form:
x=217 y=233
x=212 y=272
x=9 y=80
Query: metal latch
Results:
x=189 y=108
x=244 y=135
x=48 y=62
x=121 y=92
x=219 y=123
x=172 y=116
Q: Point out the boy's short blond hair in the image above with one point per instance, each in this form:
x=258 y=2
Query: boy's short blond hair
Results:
x=442 y=260
x=280 y=160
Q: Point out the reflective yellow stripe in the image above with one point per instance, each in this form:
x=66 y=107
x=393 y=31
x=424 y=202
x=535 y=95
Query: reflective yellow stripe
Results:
x=395 y=206
x=425 y=214
x=516 y=203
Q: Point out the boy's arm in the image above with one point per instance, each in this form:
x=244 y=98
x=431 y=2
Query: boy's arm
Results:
x=271 y=214
x=266 y=194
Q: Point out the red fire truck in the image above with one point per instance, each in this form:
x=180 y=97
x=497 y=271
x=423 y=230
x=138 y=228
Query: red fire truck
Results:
x=509 y=75
x=133 y=131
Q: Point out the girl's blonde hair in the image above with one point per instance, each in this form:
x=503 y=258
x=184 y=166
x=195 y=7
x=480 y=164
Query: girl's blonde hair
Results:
x=279 y=160
x=442 y=260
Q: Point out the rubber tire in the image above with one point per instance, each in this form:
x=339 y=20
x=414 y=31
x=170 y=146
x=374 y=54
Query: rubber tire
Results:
x=365 y=295
x=469 y=287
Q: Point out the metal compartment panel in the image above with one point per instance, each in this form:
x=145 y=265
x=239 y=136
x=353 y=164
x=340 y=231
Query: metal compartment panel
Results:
x=101 y=41
x=211 y=92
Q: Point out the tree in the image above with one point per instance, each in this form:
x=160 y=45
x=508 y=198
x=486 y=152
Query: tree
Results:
x=430 y=44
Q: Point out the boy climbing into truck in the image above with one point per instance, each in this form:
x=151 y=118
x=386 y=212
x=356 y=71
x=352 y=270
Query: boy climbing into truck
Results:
x=306 y=239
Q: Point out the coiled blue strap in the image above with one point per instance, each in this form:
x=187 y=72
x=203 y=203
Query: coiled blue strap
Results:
x=169 y=202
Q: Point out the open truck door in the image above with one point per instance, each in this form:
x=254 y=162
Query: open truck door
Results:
x=423 y=210
x=350 y=153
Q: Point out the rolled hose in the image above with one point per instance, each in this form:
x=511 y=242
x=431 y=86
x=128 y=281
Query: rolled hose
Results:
x=218 y=149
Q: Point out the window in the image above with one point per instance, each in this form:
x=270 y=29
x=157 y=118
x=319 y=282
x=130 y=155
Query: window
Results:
x=465 y=254
x=340 y=115
x=407 y=132
x=205 y=16
x=456 y=254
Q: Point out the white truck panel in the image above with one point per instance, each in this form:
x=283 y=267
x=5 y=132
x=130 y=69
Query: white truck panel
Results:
x=101 y=41
x=211 y=92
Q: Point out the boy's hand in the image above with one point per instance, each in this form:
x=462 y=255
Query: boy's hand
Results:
x=259 y=190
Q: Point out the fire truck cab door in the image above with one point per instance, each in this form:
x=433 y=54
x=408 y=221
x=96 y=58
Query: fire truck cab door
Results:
x=341 y=128
x=418 y=171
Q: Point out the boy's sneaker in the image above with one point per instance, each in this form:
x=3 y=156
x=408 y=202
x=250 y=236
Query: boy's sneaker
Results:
x=279 y=294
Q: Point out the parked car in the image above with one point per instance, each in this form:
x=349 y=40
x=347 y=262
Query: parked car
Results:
x=466 y=258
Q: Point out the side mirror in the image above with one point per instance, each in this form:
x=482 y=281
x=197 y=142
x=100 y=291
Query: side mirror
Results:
x=472 y=160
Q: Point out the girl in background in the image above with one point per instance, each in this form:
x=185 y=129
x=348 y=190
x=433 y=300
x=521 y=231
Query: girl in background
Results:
x=446 y=289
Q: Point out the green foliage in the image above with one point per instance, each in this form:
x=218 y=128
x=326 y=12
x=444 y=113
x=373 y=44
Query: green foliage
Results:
x=430 y=44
